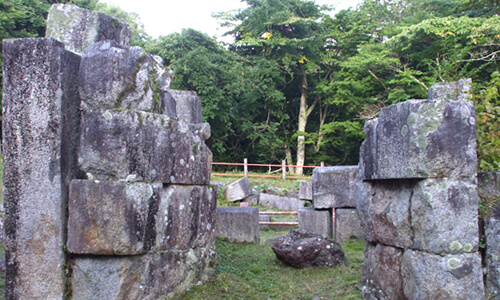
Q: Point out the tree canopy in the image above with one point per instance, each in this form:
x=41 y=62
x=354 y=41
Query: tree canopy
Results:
x=298 y=83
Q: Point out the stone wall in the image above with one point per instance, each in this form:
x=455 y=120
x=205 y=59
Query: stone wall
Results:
x=419 y=200
x=106 y=190
x=333 y=191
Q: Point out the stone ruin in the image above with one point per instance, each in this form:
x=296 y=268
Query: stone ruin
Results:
x=107 y=191
x=415 y=195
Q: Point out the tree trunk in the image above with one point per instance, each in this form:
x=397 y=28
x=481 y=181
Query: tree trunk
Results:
x=301 y=139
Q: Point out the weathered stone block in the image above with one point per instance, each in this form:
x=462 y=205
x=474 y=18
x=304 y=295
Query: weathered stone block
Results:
x=111 y=217
x=40 y=117
x=188 y=106
x=79 y=28
x=152 y=276
x=121 y=144
x=458 y=90
x=381 y=272
x=186 y=217
x=334 y=186
x=315 y=221
x=421 y=139
x=492 y=233
x=238 y=224
x=305 y=191
x=444 y=216
x=430 y=276
x=115 y=76
x=280 y=202
x=347 y=225
x=384 y=210
x=238 y=190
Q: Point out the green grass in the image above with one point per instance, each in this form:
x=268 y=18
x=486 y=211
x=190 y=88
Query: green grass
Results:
x=248 y=271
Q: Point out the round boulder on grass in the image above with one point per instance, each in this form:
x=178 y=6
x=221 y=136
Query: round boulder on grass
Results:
x=305 y=250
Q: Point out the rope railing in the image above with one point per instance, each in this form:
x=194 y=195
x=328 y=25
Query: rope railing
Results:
x=283 y=167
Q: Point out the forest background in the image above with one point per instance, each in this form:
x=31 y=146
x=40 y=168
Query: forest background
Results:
x=298 y=84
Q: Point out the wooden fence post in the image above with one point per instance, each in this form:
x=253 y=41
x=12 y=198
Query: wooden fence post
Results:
x=322 y=164
x=283 y=167
x=245 y=166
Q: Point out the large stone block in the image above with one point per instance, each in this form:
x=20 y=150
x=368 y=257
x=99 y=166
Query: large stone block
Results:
x=430 y=276
x=79 y=28
x=334 y=186
x=492 y=259
x=152 y=276
x=186 y=217
x=384 y=210
x=238 y=190
x=347 y=225
x=280 y=202
x=305 y=191
x=421 y=139
x=238 y=224
x=315 y=221
x=121 y=144
x=444 y=216
x=111 y=217
x=116 y=76
x=188 y=106
x=458 y=90
x=40 y=118
x=381 y=272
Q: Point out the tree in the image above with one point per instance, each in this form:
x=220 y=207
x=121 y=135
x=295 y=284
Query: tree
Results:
x=286 y=32
x=238 y=95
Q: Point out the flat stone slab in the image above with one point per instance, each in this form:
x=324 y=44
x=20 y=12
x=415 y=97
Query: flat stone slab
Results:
x=384 y=210
x=280 y=202
x=186 y=217
x=348 y=225
x=113 y=76
x=334 y=186
x=434 y=215
x=40 y=121
x=421 y=139
x=188 y=106
x=430 y=276
x=315 y=221
x=151 y=276
x=238 y=224
x=78 y=28
x=238 y=190
x=444 y=216
x=139 y=146
x=111 y=217
x=305 y=191
x=305 y=250
x=122 y=218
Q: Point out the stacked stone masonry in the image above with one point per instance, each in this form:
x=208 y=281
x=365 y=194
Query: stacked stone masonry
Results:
x=99 y=166
x=418 y=200
x=333 y=191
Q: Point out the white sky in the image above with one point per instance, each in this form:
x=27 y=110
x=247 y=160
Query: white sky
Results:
x=167 y=16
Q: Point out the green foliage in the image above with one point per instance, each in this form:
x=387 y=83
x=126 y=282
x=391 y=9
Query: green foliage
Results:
x=487 y=99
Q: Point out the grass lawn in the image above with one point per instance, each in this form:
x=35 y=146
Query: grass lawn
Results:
x=248 y=271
